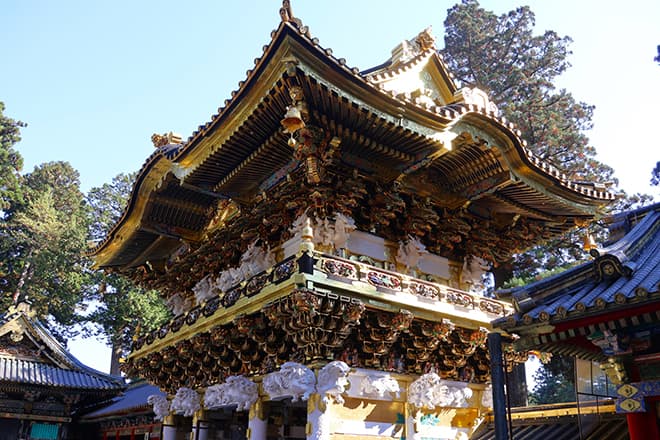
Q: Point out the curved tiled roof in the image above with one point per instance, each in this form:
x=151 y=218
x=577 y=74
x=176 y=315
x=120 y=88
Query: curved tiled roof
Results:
x=134 y=399
x=44 y=361
x=21 y=371
x=292 y=33
x=623 y=275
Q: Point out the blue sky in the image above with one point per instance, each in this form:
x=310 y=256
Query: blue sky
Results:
x=94 y=79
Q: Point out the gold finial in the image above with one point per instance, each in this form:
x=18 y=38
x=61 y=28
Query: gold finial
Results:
x=307 y=244
x=588 y=242
x=285 y=11
x=160 y=140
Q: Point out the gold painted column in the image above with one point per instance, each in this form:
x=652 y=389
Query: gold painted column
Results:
x=257 y=422
x=169 y=428
x=200 y=426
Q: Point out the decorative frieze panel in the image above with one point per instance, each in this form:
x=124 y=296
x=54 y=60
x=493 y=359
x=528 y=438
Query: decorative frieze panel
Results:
x=429 y=391
x=387 y=281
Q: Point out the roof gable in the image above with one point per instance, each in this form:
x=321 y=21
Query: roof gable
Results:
x=30 y=355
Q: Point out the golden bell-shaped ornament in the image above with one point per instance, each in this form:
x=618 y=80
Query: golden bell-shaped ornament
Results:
x=588 y=242
x=292 y=121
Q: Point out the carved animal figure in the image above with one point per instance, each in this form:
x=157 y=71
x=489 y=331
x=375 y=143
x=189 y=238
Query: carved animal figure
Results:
x=332 y=381
x=379 y=386
x=185 y=402
x=293 y=379
x=161 y=406
x=204 y=289
x=237 y=390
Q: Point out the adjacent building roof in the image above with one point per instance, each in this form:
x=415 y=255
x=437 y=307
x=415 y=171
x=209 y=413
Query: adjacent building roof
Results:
x=620 y=286
x=30 y=355
x=133 y=400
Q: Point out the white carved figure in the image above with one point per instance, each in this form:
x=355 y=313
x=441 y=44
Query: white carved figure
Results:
x=255 y=260
x=293 y=380
x=378 y=386
x=228 y=279
x=430 y=391
x=178 y=304
x=237 y=390
x=460 y=397
x=332 y=381
x=487 y=397
x=425 y=392
x=343 y=227
x=185 y=402
x=324 y=232
x=410 y=252
x=298 y=225
x=161 y=406
x=204 y=289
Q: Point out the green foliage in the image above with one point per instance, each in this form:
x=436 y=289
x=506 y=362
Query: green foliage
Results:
x=555 y=382
x=655 y=175
x=124 y=308
x=107 y=203
x=44 y=235
x=11 y=162
x=502 y=56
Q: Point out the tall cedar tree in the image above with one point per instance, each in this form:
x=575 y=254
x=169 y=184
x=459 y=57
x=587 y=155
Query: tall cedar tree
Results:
x=502 y=56
x=11 y=162
x=44 y=235
x=122 y=305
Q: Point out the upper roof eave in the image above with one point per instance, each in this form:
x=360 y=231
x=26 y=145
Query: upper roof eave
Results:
x=292 y=43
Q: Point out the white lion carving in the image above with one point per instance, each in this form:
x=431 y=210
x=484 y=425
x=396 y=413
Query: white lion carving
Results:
x=425 y=392
x=332 y=381
x=237 y=390
x=293 y=380
x=160 y=404
x=379 y=386
x=185 y=402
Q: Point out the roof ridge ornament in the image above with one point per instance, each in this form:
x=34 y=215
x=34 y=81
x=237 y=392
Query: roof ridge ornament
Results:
x=408 y=49
x=286 y=13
